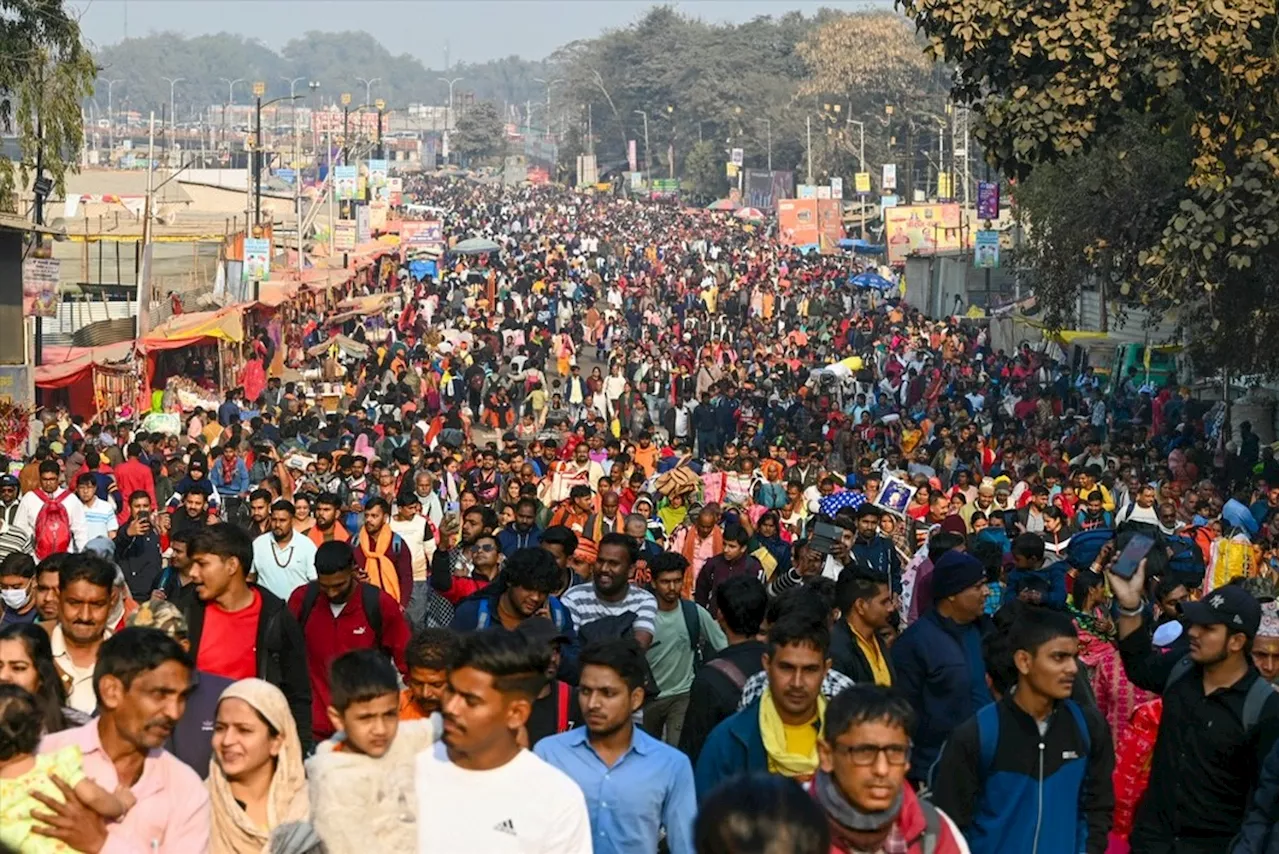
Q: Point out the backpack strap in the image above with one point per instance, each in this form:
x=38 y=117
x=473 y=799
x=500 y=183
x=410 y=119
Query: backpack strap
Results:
x=1259 y=693
x=308 y=603
x=1076 y=712
x=371 y=599
x=932 y=827
x=562 y=706
x=689 y=611
x=1184 y=666
x=482 y=616
x=988 y=736
x=730 y=671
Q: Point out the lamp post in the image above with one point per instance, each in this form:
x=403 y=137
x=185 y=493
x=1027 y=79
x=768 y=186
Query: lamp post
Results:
x=768 y=136
x=231 y=99
x=645 y=116
x=173 y=119
x=346 y=113
x=293 y=114
x=381 y=105
x=259 y=89
x=450 y=81
x=111 y=118
x=368 y=86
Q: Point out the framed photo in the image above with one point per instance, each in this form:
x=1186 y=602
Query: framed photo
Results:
x=895 y=495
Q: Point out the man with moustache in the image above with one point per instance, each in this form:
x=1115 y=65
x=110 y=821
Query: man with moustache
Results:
x=85 y=583
x=427 y=660
x=142 y=680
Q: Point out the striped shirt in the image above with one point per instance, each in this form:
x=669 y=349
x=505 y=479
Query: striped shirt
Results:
x=585 y=606
x=100 y=519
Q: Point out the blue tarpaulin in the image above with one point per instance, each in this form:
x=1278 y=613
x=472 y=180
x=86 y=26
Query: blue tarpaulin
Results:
x=423 y=269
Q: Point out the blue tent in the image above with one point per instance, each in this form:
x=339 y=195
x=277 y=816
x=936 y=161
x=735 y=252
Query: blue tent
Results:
x=871 y=280
x=861 y=247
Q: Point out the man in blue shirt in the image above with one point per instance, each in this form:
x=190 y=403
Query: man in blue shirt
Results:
x=635 y=785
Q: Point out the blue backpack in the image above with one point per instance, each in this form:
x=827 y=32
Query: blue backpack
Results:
x=1085 y=546
x=1186 y=561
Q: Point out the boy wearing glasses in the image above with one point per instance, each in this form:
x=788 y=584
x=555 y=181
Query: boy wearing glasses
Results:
x=1032 y=771
x=863 y=756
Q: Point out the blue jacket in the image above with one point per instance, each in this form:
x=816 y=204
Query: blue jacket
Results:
x=239 y=482
x=938 y=668
x=735 y=747
x=880 y=553
x=1050 y=581
x=509 y=539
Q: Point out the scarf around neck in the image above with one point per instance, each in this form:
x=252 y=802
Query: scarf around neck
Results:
x=377 y=562
x=773 y=734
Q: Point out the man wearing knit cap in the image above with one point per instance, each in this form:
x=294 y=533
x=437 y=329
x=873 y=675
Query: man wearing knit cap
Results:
x=938 y=659
x=583 y=561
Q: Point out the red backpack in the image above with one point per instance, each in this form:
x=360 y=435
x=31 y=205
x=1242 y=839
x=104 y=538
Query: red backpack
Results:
x=53 y=525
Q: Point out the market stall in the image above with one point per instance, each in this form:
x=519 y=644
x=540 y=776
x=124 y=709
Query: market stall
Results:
x=201 y=346
x=90 y=379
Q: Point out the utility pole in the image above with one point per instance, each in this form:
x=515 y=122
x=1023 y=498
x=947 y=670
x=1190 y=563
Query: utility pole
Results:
x=293 y=114
x=231 y=99
x=111 y=119
x=808 y=146
x=547 y=117
x=346 y=128
x=173 y=116
x=381 y=105
x=647 y=175
x=368 y=86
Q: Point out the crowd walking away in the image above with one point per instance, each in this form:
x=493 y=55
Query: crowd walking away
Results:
x=639 y=531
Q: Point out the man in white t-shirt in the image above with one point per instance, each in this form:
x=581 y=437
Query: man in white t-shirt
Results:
x=99 y=515
x=480 y=790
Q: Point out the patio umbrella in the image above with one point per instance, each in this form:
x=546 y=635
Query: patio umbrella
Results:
x=752 y=214
x=721 y=205
x=871 y=280
x=475 y=246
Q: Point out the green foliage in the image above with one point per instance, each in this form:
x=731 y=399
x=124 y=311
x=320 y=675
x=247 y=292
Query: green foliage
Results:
x=479 y=134
x=1051 y=81
x=704 y=172
x=335 y=60
x=45 y=71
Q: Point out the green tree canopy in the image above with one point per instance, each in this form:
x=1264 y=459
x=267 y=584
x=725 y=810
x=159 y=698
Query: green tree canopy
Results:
x=480 y=134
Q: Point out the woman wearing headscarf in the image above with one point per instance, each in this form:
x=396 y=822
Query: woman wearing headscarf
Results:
x=256 y=781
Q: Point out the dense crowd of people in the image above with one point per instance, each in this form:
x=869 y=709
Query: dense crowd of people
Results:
x=642 y=532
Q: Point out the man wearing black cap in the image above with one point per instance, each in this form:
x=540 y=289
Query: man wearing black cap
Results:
x=938 y=664
x=1219 y=720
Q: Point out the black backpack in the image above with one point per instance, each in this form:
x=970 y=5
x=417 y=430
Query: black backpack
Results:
x=369 y=599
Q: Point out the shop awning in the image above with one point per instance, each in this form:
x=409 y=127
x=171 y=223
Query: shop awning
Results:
x=181 y=330
x=71 y=364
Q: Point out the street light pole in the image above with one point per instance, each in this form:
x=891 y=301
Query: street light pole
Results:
x=111 y=118
x=647 y=164
x=293 y=114
x=173 y=119
x=768 y=136
x=368 y=85
x=231 y=99
x=808 y=146
x=258 y=90
x=346 y=113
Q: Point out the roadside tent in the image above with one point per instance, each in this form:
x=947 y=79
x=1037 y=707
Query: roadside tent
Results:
x=93 y=377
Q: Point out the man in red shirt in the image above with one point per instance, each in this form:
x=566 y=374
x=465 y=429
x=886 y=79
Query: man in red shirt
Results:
x=239 y=630
x=133 y=475
x=339 y=613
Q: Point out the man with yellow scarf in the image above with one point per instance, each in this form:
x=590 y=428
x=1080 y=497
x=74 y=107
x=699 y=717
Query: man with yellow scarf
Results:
x=779 y=732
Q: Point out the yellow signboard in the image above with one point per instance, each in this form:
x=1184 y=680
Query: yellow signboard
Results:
x=862 y=182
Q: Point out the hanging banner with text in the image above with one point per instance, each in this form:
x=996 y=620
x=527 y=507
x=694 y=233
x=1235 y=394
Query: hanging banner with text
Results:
x=986 y=249
x=862 y=183
x=257 y=259
x=988 y=200
x=889 y=178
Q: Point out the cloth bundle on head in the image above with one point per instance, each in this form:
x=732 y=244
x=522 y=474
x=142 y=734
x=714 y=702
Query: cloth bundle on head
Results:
x=232 y=831
x=1270 y=625
x=956 y=571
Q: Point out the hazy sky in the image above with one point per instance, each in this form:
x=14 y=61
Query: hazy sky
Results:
x=477 y=30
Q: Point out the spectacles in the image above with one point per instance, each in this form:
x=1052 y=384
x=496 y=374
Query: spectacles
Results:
x=485 y=547
x=866 y=754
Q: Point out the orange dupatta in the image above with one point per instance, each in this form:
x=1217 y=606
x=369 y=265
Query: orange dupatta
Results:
x=377 y=565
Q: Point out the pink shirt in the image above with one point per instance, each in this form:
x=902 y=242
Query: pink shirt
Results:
x=172 y=813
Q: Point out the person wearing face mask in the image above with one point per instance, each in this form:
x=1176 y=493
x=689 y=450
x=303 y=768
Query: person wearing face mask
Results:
x=17 y=590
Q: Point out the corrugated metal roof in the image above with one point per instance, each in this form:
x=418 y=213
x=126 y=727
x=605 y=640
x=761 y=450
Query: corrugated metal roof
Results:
x=1137 y=325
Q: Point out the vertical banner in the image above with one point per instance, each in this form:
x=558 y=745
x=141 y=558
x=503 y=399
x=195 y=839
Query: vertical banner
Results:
x=345 y=182
x=837 y=188
x=257 y=259
x=40 y=277
x=364 y=227
x=735 y=156
x=986 y=249
x=344 y=235
x=631 y=155
x=944 y=186
x=889 y=178
x=377 y=176
x=862 y=183
x=988 y=200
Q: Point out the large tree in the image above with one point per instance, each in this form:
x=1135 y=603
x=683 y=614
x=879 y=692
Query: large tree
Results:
x=45 y=72
x=1050 y=81
x=479 y=134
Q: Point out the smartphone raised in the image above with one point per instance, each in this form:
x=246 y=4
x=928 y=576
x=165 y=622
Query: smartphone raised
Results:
x=1132 y=554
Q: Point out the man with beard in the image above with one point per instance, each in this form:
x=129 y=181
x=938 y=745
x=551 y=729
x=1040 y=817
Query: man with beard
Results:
x=283 y=560
x=451 y=570
x=84 y=602
x=638 y=784
x=326 y=529
x=192 y=515
x=384 y=557
x=353 y=615
x=47 y=586
x=142 y=679
x=259 y=513
x=523 y=533
x=611 y=594
x=427 y=661
x=474 y=787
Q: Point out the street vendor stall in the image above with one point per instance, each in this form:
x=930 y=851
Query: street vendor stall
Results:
x=90 y=379
x=197 y=345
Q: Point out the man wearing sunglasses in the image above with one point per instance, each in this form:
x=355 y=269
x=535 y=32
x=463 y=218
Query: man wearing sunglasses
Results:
x=863 y=756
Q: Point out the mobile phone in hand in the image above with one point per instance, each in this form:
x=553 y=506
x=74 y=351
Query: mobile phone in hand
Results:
x=1127 y=563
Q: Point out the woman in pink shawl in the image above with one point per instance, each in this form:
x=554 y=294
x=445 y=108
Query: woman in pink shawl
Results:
x=1117 y=697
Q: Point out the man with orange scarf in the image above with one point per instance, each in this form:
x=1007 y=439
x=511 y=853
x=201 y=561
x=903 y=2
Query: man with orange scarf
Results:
x=382 y=556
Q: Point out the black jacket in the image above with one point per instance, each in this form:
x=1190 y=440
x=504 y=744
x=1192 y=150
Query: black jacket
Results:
x=1202 y=739
x=139 y=559
x=282 y=655
x=713 y=696
x=847 y=656
x=192 y=738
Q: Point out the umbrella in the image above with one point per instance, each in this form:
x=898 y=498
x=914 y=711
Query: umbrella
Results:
x=871 y=280
x=475 y=246
x=721 y=205
x=837 y=501
x=753 y=214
